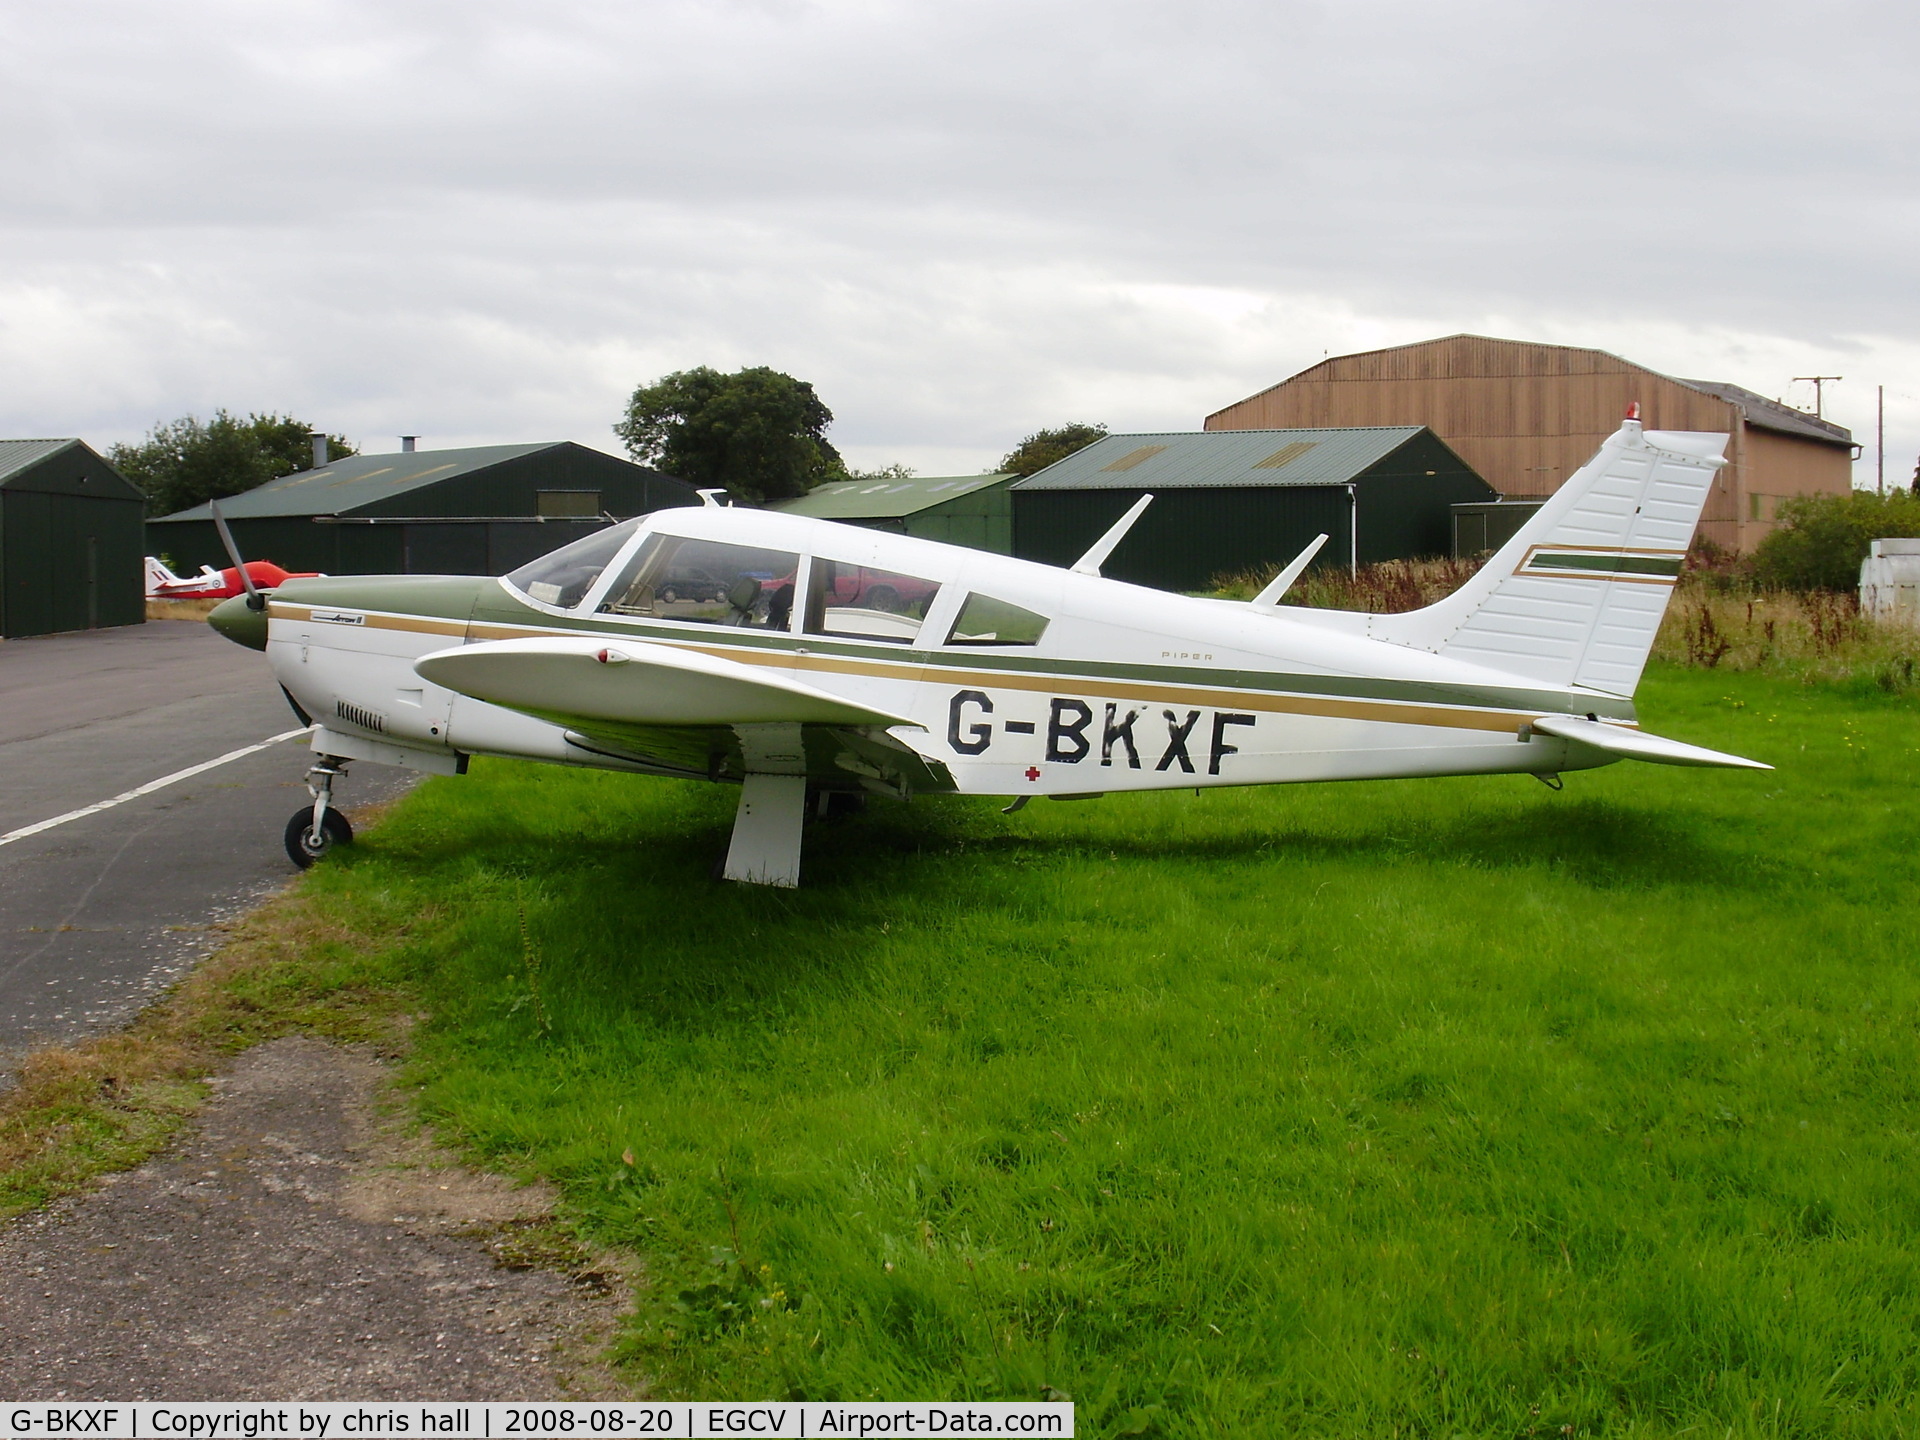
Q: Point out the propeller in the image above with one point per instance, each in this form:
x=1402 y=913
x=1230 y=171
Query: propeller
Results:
x=255 y=600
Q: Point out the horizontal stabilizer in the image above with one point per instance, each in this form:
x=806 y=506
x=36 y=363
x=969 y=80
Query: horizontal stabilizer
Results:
x=579 y=681
x=1637 y=745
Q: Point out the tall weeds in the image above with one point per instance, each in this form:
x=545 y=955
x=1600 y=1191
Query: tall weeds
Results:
x=1719 y=617
x=1818 y=635
x=1388 y=588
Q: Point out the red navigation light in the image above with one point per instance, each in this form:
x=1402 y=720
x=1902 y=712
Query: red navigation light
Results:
x=1633 y=410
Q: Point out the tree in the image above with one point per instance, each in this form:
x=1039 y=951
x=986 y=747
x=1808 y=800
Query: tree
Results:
x=188 y=460
x=1045 y=447
x=758 y=434
x=1821 y=539
x=896 y=471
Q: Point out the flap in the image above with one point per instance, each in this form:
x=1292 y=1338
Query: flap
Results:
x=578 y=681
x=838 y=757
x=1636 y=745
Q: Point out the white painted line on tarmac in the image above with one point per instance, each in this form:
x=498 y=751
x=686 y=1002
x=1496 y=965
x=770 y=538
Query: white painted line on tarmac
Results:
x=152 y=785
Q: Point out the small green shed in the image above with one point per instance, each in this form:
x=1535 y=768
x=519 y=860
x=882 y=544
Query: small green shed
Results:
x=481 y=510
x=1227 y=502
x=69 y=540
x=968 y=510
x=1484 y=526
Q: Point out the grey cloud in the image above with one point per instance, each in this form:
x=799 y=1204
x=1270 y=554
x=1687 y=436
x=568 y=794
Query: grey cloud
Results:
x=501 y=213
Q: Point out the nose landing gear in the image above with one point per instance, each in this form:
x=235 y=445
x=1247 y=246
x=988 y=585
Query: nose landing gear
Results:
x=314 y=830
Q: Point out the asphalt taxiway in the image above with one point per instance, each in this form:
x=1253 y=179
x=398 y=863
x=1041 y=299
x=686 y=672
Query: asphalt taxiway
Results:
x=100 y=913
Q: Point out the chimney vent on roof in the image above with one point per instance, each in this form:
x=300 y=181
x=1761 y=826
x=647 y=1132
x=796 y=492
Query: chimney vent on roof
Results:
x=409 y=443
x=319 y=440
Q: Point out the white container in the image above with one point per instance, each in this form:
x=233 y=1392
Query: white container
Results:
x=1890 y=582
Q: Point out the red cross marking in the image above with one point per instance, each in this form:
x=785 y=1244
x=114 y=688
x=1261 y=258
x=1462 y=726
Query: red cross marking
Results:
x=1033 y=772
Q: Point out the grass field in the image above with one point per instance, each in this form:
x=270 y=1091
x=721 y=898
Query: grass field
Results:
x=1423 y=1108
x=1429 y=1108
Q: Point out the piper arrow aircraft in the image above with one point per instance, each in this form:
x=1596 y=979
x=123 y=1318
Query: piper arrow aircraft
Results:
x=805 y=660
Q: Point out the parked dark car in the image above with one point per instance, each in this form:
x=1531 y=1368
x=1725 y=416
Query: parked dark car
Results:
x=691 y=585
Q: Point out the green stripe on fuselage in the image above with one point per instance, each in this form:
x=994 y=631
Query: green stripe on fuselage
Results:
x=1607 y=564
x=486 y=602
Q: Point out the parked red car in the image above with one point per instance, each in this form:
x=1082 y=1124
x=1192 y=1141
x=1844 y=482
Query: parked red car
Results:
x=860 y=588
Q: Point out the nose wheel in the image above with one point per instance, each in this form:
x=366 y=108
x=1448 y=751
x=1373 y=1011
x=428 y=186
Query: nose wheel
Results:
x=315 y=830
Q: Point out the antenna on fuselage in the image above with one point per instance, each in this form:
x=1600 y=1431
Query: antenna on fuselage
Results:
x=1090 y=563
x=711 y=498
x=255 y=600
x=1270 y=597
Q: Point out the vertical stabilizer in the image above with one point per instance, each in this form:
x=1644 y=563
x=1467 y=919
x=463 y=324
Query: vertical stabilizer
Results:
x=1576 y=596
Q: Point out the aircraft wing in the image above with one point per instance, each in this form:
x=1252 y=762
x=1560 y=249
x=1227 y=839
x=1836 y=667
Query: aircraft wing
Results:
x=1636 y=745
x=632 y=682
x=684 y=711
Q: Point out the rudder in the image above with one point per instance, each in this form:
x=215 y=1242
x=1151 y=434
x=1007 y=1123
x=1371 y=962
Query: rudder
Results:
x=1576 y=597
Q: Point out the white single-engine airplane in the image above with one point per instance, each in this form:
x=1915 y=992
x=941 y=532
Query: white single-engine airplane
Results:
x=804 y=659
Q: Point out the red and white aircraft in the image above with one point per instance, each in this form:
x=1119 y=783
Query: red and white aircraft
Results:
x=212 y=584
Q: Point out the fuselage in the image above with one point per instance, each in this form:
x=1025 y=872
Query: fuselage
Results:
x=1102 y=686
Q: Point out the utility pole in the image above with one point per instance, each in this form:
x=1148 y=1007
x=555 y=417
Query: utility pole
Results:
x=1880 y=440
x=1818 y=395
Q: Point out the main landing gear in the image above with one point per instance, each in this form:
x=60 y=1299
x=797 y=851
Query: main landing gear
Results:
x=316 y=829
x=767 y=827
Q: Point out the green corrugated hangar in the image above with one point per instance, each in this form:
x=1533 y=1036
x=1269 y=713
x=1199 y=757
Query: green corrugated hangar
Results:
x=1481 y=528
x=478 y=511
x=958 y=509
x=1230 y=501
x=69 y=540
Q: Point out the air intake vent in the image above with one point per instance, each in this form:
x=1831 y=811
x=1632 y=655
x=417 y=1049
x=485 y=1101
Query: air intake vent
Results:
x=365 y=719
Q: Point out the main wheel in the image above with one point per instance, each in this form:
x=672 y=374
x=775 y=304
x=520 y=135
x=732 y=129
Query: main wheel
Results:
x=836 y=804
x=334 y=830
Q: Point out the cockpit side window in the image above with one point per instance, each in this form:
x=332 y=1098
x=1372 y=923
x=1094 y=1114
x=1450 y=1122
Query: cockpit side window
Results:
x=707 y=582
x=564 y=576
x=984 y=620
x=862 y=603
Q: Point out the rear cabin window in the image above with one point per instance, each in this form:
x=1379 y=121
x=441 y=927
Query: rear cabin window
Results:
x=563 y=577
x=987 y=621
x=866 y=604
x=707 y=582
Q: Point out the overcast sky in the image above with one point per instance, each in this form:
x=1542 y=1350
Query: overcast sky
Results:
x=483 y=221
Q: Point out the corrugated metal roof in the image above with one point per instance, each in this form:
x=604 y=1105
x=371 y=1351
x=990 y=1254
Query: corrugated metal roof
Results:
x=17 y=455
x=885 y=499
x=1772 y=415
x=1220 y=458
x=1760 y=411
x=346 y=485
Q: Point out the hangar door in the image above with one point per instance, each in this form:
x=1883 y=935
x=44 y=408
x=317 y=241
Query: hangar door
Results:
x=69 y=562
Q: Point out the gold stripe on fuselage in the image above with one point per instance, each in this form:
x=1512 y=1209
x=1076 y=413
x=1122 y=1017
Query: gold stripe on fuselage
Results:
x=1218 y=697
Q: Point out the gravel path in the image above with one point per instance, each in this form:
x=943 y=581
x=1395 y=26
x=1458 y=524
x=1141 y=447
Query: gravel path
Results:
x=298 y=1246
